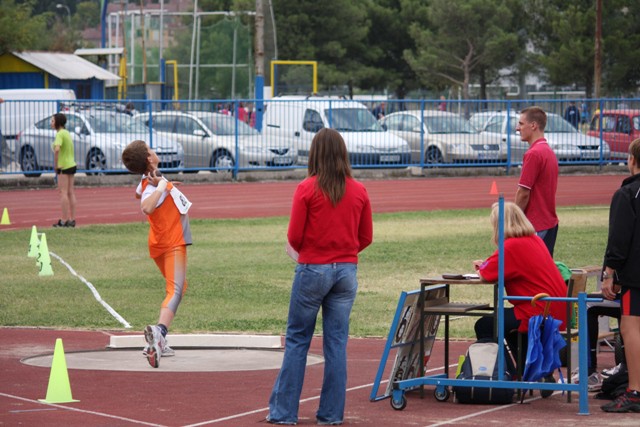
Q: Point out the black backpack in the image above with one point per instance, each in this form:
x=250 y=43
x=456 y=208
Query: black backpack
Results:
x=615 y=385
x=481 y=363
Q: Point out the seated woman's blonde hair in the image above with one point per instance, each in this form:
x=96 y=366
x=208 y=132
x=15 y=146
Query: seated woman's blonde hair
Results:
x=516 y=223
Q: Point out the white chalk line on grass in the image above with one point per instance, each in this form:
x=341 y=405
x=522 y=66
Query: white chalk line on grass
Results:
x=308 y=399
x=68 y=408
x=94 y=291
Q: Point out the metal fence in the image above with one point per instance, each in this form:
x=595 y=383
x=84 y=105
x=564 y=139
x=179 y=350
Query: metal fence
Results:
x=220 y=136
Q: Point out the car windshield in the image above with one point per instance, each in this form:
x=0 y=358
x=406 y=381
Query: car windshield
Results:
x=352 y=120
x=478 y=121
x=221 y=124
x=448 y=124
x=115 y=123
x=556 y=124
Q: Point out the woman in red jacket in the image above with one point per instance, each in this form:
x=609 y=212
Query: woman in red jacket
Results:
x=528 y=270
x=330 y=224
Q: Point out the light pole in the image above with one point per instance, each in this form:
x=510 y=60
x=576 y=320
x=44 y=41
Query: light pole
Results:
x=64 y=6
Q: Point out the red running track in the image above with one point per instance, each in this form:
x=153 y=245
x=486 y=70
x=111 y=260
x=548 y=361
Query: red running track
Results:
x=260 y=199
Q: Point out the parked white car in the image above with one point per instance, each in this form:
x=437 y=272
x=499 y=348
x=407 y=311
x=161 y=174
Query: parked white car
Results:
x=443 y=137
x=296 y=119
x=99 y=137
x=209 y=141
x=566 y=142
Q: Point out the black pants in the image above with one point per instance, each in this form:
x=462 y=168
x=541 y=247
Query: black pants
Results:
x=593 y=313
x=484 y=330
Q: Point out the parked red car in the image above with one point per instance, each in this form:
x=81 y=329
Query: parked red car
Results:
x=619 y=128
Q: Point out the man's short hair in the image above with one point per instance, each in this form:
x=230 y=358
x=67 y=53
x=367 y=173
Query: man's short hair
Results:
x=135 y=157
x=634 y=150
x=537 y=115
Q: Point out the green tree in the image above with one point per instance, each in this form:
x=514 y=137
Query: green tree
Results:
x=461 y=39
x=621 y=34
x=562 y=36
x=18 y=29
x=334 y=33
x=387 y=39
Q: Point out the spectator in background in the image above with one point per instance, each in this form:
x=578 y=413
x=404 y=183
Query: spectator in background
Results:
x=584 y=113
x=65 y=169
x=130 y=109
x=536 y=193
x=443 y=103
x=242 y=113
x=379 y=111
x=572 y=114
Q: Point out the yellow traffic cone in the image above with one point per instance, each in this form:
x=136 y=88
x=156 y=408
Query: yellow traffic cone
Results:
x=5 y=217
x=59 y=390
x=33 y=243
x=43 y=258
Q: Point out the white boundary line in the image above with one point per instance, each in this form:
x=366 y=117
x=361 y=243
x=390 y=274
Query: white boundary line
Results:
x=67 y=408
x=308 y=399
x=94 y=291
x=486 y=411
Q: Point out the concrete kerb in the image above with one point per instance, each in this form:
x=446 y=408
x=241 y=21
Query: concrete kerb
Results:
x=194 y=353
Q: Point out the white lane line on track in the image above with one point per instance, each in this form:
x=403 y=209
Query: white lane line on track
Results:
x=67 y=408
x=308 y=399
x=486 y=411
x=93 y=291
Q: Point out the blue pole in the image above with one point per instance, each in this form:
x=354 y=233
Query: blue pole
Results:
x=259 y=102
x=500 y=308
x=103 y=23
x=583 y=352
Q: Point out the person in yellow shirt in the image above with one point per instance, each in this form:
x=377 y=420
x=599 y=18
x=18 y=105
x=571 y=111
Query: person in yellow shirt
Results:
x=65 y=169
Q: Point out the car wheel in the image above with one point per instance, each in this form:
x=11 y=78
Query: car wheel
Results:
x=29 y=162
x=222 y=159
x=96 y=162
x=433 y=155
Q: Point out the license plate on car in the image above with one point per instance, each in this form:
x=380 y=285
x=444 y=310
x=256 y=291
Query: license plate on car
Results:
x=284 y=160
x=390 y=158
x=488 y=156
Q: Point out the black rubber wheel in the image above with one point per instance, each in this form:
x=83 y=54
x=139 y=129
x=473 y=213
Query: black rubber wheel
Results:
x=29 y=162
x=399 y=406
x=442 y=395
x=433 y=156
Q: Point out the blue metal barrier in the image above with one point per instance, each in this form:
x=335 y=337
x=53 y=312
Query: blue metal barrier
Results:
x=413 y=133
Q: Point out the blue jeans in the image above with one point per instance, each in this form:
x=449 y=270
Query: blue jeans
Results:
x=332 y=287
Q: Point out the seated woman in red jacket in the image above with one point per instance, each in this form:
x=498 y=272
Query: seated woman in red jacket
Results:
x=528 y=270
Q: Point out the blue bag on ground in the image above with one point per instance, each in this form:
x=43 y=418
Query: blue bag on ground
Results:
x=481 y=363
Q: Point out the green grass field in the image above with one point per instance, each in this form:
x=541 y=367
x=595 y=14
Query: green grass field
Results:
x=240 y=277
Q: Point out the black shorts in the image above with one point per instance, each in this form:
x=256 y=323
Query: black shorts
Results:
x=69 y=171
x=630 y=301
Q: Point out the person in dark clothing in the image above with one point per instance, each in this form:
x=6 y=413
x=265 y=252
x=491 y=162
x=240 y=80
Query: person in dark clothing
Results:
x=572 y=114
x=621 y=273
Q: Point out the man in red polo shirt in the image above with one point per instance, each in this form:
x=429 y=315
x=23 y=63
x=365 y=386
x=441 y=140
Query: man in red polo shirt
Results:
x=536 y=194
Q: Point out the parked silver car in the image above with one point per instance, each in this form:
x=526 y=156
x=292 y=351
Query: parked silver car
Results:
x=447 y=137
x=564 y=139
x=99 y=137
x=209 y=141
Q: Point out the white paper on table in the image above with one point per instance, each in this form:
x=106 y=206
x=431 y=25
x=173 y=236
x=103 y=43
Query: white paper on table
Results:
x=291 y=252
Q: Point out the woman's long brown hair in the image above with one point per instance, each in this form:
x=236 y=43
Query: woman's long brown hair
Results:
x=329 y=162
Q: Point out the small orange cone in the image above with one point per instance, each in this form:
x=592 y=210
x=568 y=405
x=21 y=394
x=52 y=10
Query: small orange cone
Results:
x=494 y=189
